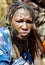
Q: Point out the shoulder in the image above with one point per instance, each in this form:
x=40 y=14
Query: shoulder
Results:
x=5 y=41
x=4 y=35
x=4 y=30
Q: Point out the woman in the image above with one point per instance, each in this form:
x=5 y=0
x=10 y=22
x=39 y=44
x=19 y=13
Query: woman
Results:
x=20 y=41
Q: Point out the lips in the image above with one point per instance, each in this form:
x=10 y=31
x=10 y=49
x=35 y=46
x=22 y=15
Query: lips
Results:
x=24 y=33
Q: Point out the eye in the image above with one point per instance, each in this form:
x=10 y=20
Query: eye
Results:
x=19 y=21
x=28 y=21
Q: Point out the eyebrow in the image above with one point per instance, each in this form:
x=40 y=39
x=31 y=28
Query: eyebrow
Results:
x=21 y=20
x=27 y=21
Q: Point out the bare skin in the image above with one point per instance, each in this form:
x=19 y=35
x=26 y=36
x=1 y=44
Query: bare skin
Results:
x=22 y=23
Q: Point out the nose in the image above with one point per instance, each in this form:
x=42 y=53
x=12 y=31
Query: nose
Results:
x=24 y=26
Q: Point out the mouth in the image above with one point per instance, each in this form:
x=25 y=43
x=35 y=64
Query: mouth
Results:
x=24 y=34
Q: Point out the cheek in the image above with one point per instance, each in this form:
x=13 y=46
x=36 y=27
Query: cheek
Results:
x=15 y=25
x=29 y=26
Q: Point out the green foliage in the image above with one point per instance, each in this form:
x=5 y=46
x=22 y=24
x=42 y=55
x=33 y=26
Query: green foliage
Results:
x=3 y=10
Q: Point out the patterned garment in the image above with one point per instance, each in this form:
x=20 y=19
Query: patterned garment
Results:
x=5 y=47
x=25 y=59
x=6 y=50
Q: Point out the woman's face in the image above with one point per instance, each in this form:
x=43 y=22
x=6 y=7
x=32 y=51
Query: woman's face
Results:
x=22 y=23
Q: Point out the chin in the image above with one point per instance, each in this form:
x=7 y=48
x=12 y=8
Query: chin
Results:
x=22 y=38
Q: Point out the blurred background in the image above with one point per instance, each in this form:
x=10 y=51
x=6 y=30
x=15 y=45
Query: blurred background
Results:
x=4 y=5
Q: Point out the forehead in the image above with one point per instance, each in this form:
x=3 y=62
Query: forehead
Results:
x=20 y=13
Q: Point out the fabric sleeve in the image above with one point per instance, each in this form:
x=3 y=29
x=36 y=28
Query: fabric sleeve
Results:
x=5 y=56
